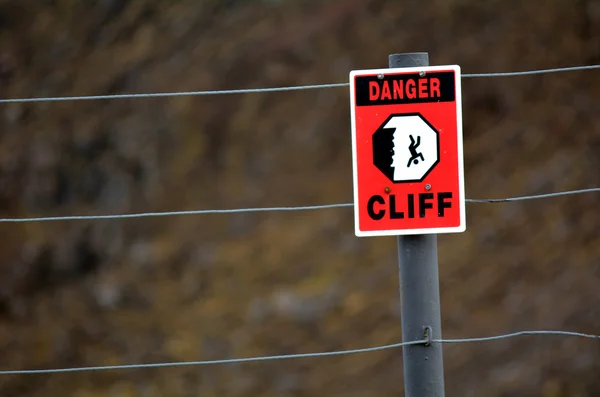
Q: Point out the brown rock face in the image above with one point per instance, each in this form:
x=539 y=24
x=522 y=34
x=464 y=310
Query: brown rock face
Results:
x=85 y=293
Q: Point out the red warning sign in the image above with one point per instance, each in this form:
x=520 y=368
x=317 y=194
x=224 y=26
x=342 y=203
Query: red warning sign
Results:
x=407 y=151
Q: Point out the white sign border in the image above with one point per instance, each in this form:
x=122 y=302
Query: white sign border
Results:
x=459 y=129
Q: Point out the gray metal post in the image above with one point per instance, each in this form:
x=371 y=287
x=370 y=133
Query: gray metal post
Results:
x=419 y=294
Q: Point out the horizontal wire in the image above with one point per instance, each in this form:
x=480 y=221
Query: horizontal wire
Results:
x=173 y=213
x=270 y=89
x=514 y=334
x=535 y=196
x=212 y=362
x=268 y=209
x=289 y=356
x=530 y=72
x=174 y=94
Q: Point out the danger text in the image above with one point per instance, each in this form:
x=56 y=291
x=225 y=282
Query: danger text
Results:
x=400 y=88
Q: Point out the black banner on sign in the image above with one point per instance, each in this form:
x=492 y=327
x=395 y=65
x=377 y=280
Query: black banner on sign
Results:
x=404 y=88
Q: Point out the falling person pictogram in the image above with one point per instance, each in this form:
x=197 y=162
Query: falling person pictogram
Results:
x=414 y=155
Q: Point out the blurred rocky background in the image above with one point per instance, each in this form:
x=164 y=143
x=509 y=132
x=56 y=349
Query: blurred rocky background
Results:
x=84 y=293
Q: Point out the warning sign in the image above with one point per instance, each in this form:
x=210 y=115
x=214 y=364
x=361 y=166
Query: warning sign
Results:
x=407 y=151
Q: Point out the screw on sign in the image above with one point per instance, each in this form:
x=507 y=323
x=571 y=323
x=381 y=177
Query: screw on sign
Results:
x=407 y=151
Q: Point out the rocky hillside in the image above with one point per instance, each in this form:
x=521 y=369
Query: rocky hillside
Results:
x=82 y=293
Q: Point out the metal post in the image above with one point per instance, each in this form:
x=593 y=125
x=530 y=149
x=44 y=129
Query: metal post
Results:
x=419 y=294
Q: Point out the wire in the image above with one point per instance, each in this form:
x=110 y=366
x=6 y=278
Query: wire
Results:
x=305 y=355
x=267 y=209
x=530 y=72
x=271 y=89
x=212 y=362
x=174 y=94
x=173 y=213
x=514 y=334
x=535 y=197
